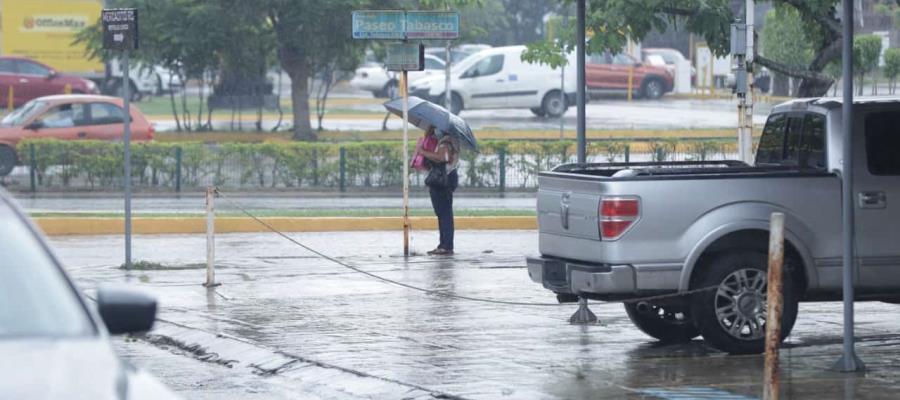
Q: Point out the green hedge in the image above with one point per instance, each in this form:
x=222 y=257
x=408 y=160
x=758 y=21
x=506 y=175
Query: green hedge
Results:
x=95 y=164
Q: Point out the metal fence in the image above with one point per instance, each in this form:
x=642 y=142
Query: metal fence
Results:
x=499 y=166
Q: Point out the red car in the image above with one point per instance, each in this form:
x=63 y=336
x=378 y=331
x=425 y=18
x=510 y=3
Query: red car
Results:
x=608 y=72
x=68 y=117
x=31 y=79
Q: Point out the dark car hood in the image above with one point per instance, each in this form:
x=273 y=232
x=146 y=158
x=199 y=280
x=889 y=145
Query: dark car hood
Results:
x=72 y=369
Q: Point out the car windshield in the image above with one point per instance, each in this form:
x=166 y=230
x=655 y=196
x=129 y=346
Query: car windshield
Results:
x=18 y=117
x=36 y=300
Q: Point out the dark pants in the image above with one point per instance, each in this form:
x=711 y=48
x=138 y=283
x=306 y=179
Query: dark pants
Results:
x=442 y=201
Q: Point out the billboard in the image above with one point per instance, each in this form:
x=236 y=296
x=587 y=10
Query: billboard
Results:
x=45 y=29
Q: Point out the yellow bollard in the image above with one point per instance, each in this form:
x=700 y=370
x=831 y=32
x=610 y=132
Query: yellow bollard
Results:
x=630 y=82
x=67 y=89
x=9 y=102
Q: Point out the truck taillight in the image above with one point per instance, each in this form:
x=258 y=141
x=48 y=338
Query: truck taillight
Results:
x=617 y=215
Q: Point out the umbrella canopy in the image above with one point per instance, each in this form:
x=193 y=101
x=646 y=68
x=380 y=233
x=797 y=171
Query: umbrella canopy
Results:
x=425 y=114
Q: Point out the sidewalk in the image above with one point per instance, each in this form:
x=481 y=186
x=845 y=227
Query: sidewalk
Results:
x=279 y=302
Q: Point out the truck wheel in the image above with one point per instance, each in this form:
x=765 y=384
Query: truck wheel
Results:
x=553 y=106
x=653 y=88
x=666 y=324
x=732 y=317
x=538 y=111
x=7 y=160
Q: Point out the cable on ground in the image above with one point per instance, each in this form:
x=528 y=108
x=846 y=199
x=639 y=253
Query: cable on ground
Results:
x=431 y=291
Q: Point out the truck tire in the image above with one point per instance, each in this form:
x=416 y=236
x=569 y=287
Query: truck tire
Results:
x=8 y=160
x=731 y=317
x=653 y=88
x=538 y=111
x=665 y=324
x=552 y=105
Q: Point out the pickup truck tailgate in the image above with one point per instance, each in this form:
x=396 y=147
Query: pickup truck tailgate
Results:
x=568 y=207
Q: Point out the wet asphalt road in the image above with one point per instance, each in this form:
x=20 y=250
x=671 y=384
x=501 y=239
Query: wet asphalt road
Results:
x=281 y=310
x=602 y=114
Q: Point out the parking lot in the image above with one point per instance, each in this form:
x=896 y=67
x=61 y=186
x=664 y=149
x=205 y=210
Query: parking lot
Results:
x=285 y=321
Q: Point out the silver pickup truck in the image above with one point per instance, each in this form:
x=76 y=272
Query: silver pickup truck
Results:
x=627 y=231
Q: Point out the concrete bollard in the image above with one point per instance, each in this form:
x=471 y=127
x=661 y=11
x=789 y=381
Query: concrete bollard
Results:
x=774 y=305
x=210 y=237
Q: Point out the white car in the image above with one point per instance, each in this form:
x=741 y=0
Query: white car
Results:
x=498 y=78
x=383 y=83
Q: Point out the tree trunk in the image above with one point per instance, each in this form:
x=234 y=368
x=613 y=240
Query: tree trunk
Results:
x=795 y=87
x=780 y=86
x=300 y=102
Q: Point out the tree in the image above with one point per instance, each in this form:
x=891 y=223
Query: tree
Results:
x=176 y=35
x=866 y=51
x=614 y=22
x=892 y=67
x=311 y=34
x=784 y=40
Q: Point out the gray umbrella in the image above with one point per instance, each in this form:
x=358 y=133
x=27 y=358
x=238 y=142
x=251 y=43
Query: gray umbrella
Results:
x=425 y=114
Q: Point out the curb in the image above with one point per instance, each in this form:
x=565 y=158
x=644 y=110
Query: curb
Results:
x=55 y=226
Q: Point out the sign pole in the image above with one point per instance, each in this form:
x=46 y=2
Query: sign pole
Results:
x=849 y=361
x=580 y=94
x=405 y=92
x=126 y=94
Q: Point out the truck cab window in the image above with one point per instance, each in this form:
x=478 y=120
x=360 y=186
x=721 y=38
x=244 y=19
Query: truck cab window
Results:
x=771 y=144
x=883 y=143
x=812 y=142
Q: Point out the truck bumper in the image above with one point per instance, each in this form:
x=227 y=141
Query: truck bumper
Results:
x=561 y=276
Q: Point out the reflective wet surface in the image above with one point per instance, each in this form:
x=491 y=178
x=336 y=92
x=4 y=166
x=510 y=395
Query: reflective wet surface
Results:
x=285 y=322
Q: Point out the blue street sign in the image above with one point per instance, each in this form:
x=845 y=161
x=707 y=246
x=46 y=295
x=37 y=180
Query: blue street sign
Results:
x=432 y=25
x=379 y=25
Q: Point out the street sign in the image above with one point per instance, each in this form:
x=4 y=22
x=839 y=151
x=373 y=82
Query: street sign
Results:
x=120 y=28
x=405 y=57
x=432 y=25
x=379 y=24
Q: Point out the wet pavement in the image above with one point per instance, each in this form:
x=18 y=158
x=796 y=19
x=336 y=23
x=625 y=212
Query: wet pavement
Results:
x=665 y=113
x=287 y=324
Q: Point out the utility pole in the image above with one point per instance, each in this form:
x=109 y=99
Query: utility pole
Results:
x=580 y=94
x=742 y=49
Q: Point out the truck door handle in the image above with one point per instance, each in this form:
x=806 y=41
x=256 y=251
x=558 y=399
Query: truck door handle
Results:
x=872 y=200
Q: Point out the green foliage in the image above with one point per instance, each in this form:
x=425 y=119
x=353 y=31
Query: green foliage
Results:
x=784 y=37
x=892 y=63
x=866 y=50
x=97 y=165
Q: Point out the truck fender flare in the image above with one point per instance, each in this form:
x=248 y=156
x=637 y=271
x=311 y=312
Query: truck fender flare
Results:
x=755 y=224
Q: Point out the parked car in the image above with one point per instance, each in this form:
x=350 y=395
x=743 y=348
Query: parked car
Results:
x=375 y=78
x=68 y=117
x=145 y=80
x=30 y=79
x=498 y=78
x=53 y=343
x=607 y=72
x=671 y=57
x=626 y=231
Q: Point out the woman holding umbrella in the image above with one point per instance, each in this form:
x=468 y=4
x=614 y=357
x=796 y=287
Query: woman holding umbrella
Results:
x=442 y=181
x=451 y=132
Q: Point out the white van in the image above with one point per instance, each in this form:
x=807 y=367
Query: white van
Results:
x=498 y=78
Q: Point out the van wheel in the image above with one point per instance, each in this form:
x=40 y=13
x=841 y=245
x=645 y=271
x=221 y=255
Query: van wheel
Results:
x=538 y=111
x=732 y=316
x=553 y=105
x=653 y=88
x=391 y=90
x=456 y=104
x=668 y=324
x=8 y=160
